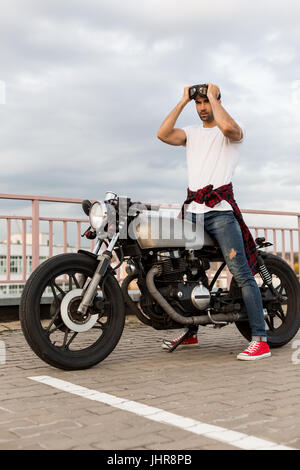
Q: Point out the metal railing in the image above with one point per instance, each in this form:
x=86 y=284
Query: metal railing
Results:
x=35 y=220
x=289 y=237
x=285 y=239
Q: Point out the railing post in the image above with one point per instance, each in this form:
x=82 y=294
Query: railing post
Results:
x=298 y=217
x=35 y=234
x=8 y=248
x=24 y=264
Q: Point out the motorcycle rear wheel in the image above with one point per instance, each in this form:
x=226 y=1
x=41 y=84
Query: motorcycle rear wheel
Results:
x=283 y=320
x=50 y=334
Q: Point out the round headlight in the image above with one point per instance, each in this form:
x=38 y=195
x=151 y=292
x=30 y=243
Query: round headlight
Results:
x=98 y=215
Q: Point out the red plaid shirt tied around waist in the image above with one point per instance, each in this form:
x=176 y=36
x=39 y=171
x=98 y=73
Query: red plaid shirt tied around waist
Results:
x=210 y=197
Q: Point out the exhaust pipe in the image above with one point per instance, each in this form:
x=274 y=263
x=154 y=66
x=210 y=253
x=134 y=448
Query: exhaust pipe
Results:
x=194 y=320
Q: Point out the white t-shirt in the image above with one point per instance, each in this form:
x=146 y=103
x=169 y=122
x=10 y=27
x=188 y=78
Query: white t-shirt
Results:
x=211 y=159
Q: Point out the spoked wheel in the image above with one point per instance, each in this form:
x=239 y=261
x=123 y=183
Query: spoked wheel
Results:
x=283 y=319
x=60 y=335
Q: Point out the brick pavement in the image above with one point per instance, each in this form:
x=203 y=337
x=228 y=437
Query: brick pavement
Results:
x=205 y=383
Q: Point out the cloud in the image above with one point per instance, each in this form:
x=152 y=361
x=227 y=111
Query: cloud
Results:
x=89 y=83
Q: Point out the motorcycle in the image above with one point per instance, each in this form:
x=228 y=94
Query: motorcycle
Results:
x=85 y=318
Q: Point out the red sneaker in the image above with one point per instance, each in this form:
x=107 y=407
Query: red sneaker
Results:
x=191 y=341
x=255 y=350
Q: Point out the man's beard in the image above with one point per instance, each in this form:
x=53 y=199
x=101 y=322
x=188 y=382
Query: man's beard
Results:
x=209 y=117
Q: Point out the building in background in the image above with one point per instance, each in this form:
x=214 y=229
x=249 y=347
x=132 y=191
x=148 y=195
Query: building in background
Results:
x=16 y=260
x=12 y=288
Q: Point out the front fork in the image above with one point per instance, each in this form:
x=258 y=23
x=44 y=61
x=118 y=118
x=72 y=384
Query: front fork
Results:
x=90 y=290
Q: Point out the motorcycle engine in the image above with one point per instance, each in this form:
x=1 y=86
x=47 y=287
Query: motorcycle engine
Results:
x=182 y=281
x=191 y=296
x=186 y=278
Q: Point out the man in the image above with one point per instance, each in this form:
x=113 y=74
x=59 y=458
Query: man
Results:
x=212 y=151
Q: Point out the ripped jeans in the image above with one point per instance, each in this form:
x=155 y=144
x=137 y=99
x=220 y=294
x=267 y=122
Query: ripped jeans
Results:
x=224 y=227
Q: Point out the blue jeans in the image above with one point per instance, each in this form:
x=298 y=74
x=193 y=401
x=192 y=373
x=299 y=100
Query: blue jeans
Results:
x=224 y=227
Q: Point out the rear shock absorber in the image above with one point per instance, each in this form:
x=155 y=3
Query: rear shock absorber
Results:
x=265 y=275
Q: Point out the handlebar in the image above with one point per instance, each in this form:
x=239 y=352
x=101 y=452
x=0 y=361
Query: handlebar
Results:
x=149 y=207
x=86 y=206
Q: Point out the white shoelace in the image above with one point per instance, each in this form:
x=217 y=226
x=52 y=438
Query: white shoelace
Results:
x=178 y=338
x=253 y=346
x=175 y=339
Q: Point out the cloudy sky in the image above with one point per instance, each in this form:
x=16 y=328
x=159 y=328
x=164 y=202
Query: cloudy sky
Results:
x=88 y=83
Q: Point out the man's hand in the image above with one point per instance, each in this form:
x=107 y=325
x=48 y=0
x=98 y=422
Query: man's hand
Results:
x=213 y=91
x=186 y=95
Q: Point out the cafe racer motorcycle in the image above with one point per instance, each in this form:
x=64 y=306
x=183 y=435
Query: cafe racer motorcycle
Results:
x=85 y=318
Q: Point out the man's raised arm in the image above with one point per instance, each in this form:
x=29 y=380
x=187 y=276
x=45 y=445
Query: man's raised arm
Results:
x=167 y=132
x=224 y=121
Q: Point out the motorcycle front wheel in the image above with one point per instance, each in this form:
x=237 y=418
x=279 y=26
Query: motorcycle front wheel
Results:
x=49 y=319
x=283 y=319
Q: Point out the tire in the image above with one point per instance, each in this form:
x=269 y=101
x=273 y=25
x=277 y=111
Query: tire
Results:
x=81 y=351
x=279 y=330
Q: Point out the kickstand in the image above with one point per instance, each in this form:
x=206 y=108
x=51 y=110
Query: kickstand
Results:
x=187 y=335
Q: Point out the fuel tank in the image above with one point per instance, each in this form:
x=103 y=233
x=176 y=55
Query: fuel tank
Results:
x=163 y=231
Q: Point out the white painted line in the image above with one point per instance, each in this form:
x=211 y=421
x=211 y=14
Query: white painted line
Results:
x=236 y=439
